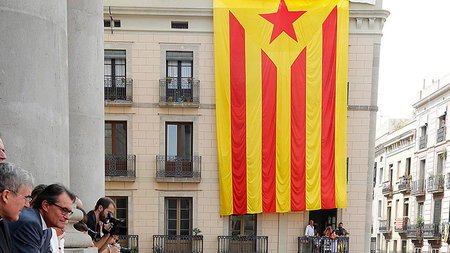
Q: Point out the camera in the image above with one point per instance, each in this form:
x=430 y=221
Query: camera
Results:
x=115 y=223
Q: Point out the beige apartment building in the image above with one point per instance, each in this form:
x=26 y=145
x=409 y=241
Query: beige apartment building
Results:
x=160 y=131
x=419 y=202
x=394 y=160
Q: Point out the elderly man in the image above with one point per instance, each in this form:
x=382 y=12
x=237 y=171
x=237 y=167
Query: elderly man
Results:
x=2 y=152
x=51 y=208
x=15 y=190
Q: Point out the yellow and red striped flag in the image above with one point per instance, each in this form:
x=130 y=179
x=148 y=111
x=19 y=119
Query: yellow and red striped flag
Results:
x=281 y=112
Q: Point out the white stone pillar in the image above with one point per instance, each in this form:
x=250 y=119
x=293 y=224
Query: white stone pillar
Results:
x=86 y=106
x=34 y=119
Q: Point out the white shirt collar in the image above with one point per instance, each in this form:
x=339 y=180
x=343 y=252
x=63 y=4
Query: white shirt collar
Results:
x=44 y=225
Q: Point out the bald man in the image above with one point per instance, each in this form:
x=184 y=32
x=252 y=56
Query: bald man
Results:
x=2 y=152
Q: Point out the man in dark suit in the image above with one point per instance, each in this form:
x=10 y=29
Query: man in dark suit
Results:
x=15 y=190
x=51 y=208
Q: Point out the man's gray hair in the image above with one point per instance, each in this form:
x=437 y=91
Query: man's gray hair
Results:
x=13 y=177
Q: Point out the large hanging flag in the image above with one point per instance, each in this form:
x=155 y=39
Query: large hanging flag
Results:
x=281 y=92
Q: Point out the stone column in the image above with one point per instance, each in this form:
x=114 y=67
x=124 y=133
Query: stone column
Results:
x=86 y=106
x=34 y=114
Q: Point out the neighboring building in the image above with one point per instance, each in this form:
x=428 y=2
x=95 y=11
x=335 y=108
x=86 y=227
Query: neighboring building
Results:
x=160 y=132
x=431 y=206
x=394 y=160
x=427 y=202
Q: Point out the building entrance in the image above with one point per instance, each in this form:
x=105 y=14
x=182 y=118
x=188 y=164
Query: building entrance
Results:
x=322 y=218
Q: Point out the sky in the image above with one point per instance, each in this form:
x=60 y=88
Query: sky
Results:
x=415 y=46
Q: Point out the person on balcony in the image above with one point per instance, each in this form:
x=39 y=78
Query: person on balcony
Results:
x=341 y=230
x=96 y=221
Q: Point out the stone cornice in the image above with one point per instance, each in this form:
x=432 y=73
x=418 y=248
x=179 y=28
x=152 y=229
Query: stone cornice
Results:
x=158 y=11
x=369 y=22
x=432 y=96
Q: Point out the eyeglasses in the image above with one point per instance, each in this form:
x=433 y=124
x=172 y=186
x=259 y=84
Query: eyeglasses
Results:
x=63 y=209
x=28 y=198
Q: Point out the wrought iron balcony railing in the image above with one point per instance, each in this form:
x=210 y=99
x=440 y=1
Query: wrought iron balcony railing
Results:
x=414 y=231
x=384 y=226
x=435 y=183
x=177 y=243
x=118 y=89
x=243 y=244
x=418 y=187
x=440 y=135
x=183 y=92
x=403 y=185
x=401 y=225
x=431 y=231
x=323 y=244
x=423 y=142
x=120 y=166
x=387 y=188
x=178 y=167
x=130 y=242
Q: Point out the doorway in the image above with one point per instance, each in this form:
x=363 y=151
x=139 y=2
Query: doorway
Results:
x=322 y=218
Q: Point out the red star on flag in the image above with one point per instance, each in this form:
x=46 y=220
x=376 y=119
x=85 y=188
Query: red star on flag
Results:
x=282 y=21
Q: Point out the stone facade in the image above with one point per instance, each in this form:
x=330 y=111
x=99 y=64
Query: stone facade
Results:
x=145 y=35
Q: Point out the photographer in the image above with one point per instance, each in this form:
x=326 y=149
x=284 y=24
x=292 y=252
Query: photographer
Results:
x=97 y=221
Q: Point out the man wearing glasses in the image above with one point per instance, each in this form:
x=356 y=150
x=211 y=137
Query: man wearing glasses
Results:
x=15 y=190
x=51 y=208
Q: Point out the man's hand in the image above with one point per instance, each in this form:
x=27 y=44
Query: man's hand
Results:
x=115 y=248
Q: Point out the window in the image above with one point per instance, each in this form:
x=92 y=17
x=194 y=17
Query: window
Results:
x=420 y=209
x=178 y=220
x=423 y=131
x=116 y=137
x=178 y=155
x=395 y=246
x=442 y=121
x=422 y=169
x=106 y=23
x=243 y=225
x=115 y=74
x=179 y=25
x=399 y=163
x=379 y=208
x=404 y=244
x=437 y=211
x=375 y=174
x=380 y=181
x=440 y=164
x=397 y=211
x=179 y=76
x=117 y=23
x=116 y=148
x=406 y=208
x=408 y=166
x=121 y=213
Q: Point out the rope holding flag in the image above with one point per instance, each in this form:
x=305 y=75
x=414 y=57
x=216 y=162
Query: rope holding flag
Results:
x=281 y=112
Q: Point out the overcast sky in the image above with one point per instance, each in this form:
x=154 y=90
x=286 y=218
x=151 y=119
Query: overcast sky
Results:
x=415 y=45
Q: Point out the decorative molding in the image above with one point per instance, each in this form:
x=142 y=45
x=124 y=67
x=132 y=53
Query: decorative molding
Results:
x=368 y=22
x=158 y=11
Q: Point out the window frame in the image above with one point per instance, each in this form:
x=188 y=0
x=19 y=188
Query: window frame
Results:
x=178 y=210
x=113 y=135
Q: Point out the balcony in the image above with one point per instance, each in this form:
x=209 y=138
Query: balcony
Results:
x=440 y=135
x=179 y=92
x=323 y=244
x=178 y=169
x=401 y=225
x=384 y=226
x=403 y=185
x=387 y=188
x=431 y=231
x=120 y=167
x=119 y=93
x=423 y=142
x=435 y=183
x=130 y=242
x=414 y=232
x=177 y=243
x=243 y=244
x=418 y=187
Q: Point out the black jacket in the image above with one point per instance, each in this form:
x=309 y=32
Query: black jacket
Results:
x=5 y=239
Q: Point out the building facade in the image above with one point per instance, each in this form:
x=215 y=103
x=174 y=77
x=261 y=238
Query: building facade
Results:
x=426 y=204
x=394 y=160
x=160 y=129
